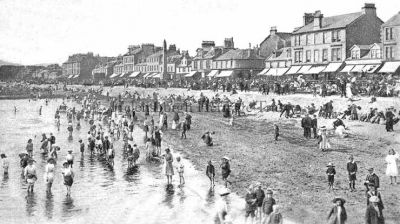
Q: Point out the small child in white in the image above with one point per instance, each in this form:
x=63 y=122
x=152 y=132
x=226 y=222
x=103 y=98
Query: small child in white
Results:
x=180 y=169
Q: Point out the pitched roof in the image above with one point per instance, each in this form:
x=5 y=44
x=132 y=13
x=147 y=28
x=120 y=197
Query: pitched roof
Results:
x=239 y=54
x=283 y=56
x=362 y=47
x=282 y=35
x=332 y=22
x=394 y=21
x=138 y=50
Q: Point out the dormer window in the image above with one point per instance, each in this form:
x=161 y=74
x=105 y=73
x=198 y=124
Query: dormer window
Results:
x=355 y=54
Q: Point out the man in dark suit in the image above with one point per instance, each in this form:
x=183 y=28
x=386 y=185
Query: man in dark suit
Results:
x=314 y=125
x=371 y=178
x=306 y=124
x=352 y=170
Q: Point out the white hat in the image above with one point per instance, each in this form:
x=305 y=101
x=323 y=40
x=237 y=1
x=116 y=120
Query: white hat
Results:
x=374 y=199
x=227 y=158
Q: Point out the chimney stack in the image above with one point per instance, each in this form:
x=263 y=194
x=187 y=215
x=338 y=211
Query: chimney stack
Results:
x=273 y=30
x=369 y=9
x=308 y=18
x=318 y=20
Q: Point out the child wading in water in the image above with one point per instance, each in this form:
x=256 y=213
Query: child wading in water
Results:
x=6 y=163
x=180 y=168
x=331 y=175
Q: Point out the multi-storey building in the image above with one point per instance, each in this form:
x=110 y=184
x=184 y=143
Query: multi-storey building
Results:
x=390 y=34
x=274 y=41
x=104 y=70
x=364 y=59
x=241 y=63
x=81 y=65
x=155 y=66
x=205 y=56
x=322 y=40
x=185 y=66
x=136 y=54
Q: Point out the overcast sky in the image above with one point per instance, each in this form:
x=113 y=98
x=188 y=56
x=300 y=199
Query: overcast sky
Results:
x=47 y=31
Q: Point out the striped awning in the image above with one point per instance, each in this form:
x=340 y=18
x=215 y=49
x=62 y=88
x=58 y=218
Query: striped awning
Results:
x=358 y=68
x=370 y=68
x=347 y=68
x=390 y=67
x=134 y=74
x=304 y=69
x=315 y=70
x=224 y=74
x=277 y=71
x=293 y=70
x=147 y=75
x=70 y=76
x=263 y=71
x=114 y=75
x=212 y=73
x=332 y=67
x=156 y=75
x=191 y=74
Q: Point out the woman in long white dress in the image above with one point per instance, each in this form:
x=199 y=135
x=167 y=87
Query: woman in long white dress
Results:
x=49 y=174
x=391 y=169
x=349 y=93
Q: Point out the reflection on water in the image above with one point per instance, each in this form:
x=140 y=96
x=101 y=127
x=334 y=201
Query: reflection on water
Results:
x=30 y=204
x=97 y=186
x=49 y=205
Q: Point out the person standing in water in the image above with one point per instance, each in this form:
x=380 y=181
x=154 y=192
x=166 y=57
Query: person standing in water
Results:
x=30 y=175
x=29 y=148
x=70 y=158
x=221 y=207
x=5 y=163
x=49 y=174
x=180 y=168
x=68 y=176
x=40 y=110
x=169 y=170
x=225 y=170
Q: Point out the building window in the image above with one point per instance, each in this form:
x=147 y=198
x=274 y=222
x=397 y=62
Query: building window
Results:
x=308 y=56
x=324 y=37
x=355 y=54
x=297 y=40
x=389 y=52
x=316 y=55
x=325 y=55
x=336 y=36
x=289 y=53
x=308 y=39
x=376 y=53
x=389 y=33
x=336 y=54
x=298 y=56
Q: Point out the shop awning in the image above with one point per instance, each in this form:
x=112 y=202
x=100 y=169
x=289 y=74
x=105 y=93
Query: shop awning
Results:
x=70 y=76
x=125 y=74
x=293 y=70
x=191 y=74
x=147 y=75
x=315 y=70
x=332 y=67
x=358 y=68
x=347 y=68
x=225 y=74
x=156 y=75
x=390 y=67
x=263 y=71
x=277 y=71
x=304 y=69
x=114 y=75
x=76 y=76
x=212 y=73
x=134 y=74
x=370 y=68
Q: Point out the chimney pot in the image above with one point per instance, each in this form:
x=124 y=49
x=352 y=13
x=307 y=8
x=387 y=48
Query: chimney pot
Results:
x=273 y=30
x=369 y=9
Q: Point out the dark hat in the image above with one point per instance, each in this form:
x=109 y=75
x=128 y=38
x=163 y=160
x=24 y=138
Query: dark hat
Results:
x=51 y=160
x=269 y=191
x=370 y=169
x=339 y=199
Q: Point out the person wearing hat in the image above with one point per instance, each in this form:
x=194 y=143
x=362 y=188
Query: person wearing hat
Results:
x=338 y=214
x=68 y=176
x=323 y=139
x=374 y=192
x=70 y=158
x=30 y=175
x=52 y=140
x=389 y=120
x=221 y=207
x=268 y=204
x=81 y=146
x=70 y=129
x=331 y=172
x=5 y=164
x=49 y=173
x=371 y=178
x=29 y=148
x=225 y=170
x=373 y=213
x=352 y=171
x=306 y=124
x=391 y=170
